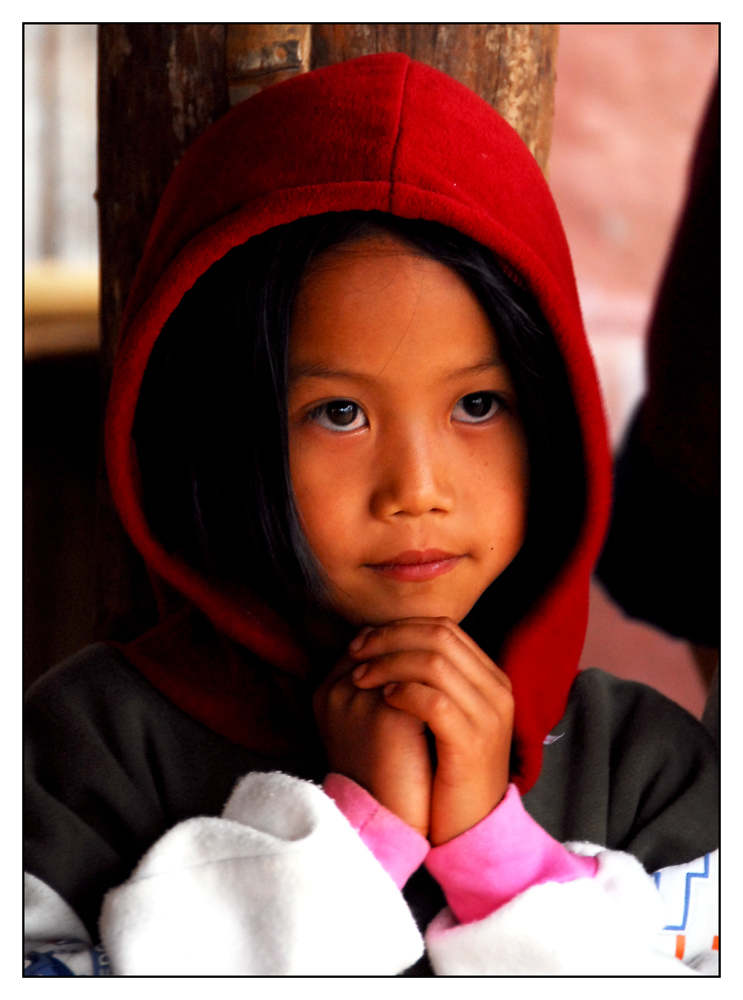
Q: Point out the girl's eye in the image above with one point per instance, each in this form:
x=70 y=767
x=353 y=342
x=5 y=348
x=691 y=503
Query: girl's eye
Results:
x=476 y=408
x=339 y=415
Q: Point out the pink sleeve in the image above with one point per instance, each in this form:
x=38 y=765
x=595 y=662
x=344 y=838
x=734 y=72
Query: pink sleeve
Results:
x=398 y=848
x=499 y=858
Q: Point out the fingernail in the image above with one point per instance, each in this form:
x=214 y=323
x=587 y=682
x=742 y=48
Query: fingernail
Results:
x=360 y=639
x=359 y=672
x=389 y=688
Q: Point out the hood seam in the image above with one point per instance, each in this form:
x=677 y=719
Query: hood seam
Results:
x=398 y=135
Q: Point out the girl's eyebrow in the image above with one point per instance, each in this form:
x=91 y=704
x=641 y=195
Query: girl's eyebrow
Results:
x=481 y=368
x=311 y=370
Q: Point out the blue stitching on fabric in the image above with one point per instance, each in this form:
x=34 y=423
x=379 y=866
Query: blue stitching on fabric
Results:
x=687 y=894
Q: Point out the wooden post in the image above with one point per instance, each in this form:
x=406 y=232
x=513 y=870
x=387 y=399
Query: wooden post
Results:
x=161 y=85
x=259 y=55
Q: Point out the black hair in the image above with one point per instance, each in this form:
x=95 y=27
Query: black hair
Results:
x=211 y=425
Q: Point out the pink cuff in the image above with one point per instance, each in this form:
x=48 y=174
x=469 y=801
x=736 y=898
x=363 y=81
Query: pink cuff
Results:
x=499 y=858
x=398 y=848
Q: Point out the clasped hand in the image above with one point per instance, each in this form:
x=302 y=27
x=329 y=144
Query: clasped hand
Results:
x=375 y=705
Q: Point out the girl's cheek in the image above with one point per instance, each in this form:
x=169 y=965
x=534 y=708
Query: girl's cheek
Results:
x=316 y=477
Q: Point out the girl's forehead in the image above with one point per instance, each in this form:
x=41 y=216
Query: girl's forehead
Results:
x=380 y=303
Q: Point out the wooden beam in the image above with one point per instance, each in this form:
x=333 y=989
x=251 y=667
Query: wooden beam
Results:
x=259 y=55
x=159 y=87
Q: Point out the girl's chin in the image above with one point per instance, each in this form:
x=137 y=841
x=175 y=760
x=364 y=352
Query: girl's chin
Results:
x=383 y=612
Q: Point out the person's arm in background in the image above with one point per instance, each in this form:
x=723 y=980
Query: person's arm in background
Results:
x=661 y=560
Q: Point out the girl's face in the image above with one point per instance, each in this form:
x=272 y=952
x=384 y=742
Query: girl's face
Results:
x=408 y=457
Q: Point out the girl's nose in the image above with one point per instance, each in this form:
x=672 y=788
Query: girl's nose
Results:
x=411 y=478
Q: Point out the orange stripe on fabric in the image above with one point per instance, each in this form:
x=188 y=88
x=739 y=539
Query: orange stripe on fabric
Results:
x=716 y=943
x=680 y=945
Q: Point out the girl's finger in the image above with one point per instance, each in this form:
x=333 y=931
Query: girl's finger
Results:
x=337 y=688
x=443 y=716
x=441 y=631
x=434 y=670
x=436 y=635
x=457 y=631
x=339 y=673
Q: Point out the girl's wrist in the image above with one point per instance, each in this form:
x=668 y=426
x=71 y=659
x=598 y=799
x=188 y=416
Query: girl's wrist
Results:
x=499 y=858
x=467 y=819
x=398 y=847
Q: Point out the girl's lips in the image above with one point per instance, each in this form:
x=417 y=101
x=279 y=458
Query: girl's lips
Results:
x=417 y=566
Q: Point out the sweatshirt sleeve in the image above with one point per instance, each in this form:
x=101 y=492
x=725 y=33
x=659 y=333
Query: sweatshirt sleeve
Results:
x=500 y=857
x=398 y=848
x=519 y=903
x=56 y=942
x=280 y=884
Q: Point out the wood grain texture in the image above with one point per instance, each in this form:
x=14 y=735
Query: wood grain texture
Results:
x=259 y=55
x=159 y=87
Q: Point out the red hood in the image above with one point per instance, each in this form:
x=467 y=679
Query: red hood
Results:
x=381 y=132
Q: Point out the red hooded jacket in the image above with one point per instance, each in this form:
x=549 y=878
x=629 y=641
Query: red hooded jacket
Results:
x=387 y=133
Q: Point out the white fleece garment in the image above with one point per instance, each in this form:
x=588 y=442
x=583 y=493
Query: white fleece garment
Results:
x=47 y=917
x=606 y=925
x=53 y=929
x=281 y=884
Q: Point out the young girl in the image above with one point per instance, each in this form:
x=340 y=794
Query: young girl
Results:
x=355 y=432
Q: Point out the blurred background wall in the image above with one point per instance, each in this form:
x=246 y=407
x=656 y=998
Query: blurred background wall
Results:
x=628 y=101
x=60 y=385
